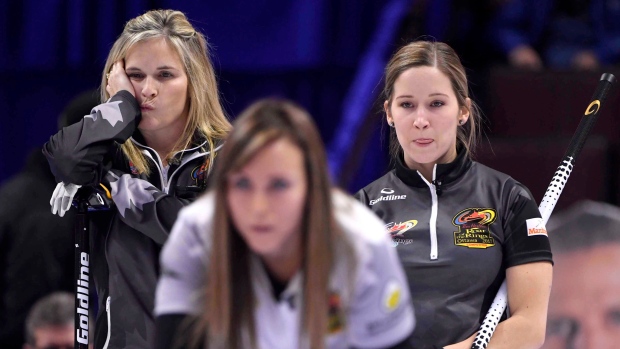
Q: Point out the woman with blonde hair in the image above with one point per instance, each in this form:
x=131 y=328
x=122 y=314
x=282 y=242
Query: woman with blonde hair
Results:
x=274 y=257
x=150 y=146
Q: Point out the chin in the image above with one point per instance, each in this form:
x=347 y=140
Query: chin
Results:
x=425 y=158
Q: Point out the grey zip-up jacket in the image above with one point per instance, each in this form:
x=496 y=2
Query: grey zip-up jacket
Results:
x=126 y=240
x=456 y=236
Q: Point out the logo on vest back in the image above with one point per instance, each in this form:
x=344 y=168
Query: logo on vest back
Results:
x=473 y=225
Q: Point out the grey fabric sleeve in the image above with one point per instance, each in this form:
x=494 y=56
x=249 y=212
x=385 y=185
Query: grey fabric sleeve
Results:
x=76 y=153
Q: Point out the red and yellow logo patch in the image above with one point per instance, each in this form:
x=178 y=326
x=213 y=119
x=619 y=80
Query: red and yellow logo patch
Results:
x=335 y=319
x=473 y=225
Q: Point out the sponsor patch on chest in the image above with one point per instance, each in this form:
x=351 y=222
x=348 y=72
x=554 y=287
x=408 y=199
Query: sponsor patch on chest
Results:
x=390 y=196
x=474 y=227
x=397 y=231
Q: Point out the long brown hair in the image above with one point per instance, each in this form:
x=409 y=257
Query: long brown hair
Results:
x=205 y=115
x=441 y=56
x=230 y=303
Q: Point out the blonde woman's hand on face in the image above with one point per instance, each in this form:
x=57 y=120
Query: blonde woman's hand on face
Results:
x=118 y=79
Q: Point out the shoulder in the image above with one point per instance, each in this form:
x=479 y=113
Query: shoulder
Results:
x=507 y=187
x=387 y=180
x=199 y=212
x=192 y=229
x=358 y=222
x=495 y=177
x=488 y=173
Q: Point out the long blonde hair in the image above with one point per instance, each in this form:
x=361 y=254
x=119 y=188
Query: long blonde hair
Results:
x=206 y=115
x=230 y=303
x=442 y=57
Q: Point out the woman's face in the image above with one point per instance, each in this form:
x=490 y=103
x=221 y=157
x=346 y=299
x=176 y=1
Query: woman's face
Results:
x=160 y=84
x=267 y=197
x=425 y=114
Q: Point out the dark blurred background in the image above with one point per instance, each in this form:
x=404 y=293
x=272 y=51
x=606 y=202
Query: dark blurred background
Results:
x=328 y=55
x=532 y=66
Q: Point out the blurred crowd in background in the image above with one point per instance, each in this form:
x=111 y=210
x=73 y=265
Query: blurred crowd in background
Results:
x=533 y=65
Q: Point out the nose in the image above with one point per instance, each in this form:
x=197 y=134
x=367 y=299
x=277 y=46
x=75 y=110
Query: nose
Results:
x=420 y=118
x=259 y=203
x=149 y=87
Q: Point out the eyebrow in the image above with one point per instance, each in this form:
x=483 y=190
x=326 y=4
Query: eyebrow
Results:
x=430 y=95
x=163 y=67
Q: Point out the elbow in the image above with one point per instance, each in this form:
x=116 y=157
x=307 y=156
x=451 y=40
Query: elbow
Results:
x=537 y=335
x=538 y=339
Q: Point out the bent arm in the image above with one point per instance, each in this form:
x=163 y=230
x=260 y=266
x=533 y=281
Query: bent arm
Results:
x=529 y=286
x=77 y=153
x=144 y=207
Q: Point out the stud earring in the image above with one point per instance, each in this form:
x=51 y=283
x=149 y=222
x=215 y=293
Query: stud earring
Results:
x=391 y=124
x=461 y=122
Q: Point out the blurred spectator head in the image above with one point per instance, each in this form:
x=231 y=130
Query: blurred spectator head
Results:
x=77 y=107
x=50 y=322
x=584 y=308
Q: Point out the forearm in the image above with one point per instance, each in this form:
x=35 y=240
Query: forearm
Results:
x=76 y=154
x=144 y=207
x=518 y=332
x=529 y=286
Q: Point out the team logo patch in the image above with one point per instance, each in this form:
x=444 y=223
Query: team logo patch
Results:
x=535 y=226
x=473 y=225
x=199 y=174
x=335 y=319
x=397 y=231
x=392 y=295
x=133 y=168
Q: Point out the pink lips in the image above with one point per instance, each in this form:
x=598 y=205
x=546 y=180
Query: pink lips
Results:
x=261 y=229
x=144 y=107
x=423 y=141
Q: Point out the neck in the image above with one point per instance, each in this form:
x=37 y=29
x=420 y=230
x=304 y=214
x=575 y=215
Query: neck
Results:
x=284 y=266
x=426 y=170
x=163 y=141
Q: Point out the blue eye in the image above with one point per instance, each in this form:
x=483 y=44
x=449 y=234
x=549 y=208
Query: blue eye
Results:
x=242 y=183
x=165 y=74
x=135 y=76
x=437 y=104
x=279 y=184
x=614 y=317
x=406 y=104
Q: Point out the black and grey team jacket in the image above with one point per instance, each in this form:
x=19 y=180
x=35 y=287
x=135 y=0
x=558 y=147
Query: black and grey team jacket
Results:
x=126 y=240
x=455 y=236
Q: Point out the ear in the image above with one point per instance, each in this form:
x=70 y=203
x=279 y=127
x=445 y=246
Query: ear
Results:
x=386 y=108
x=465 y=111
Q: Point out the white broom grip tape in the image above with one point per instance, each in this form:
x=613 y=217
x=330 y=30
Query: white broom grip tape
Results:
x=491 y=320
x=555 y=188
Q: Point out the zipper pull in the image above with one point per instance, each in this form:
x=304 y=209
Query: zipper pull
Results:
x=438 y=187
